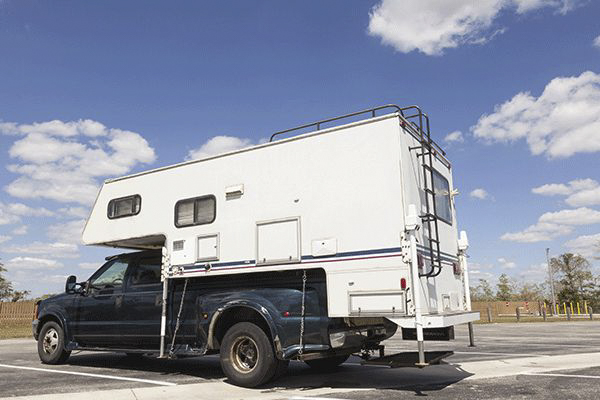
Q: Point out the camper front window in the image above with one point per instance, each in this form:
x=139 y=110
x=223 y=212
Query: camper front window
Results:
x=124 y=206
x=196 y=211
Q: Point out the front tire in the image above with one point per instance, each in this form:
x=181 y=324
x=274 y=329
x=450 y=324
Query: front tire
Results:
x=51 y=344
x=247 y=356
x=327 y=364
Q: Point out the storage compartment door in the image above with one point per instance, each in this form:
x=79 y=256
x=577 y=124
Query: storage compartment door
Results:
x=278 y=241
x=208 y=248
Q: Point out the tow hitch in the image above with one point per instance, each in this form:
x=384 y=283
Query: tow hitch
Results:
x=409 y=359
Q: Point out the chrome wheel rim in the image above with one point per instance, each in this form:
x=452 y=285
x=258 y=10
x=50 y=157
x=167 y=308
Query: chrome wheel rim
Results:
x=244 y=354
x=50 y=341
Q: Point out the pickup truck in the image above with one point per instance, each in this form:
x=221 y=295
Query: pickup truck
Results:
x=254 y=320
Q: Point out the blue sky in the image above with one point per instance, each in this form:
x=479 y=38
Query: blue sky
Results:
x=138 y=84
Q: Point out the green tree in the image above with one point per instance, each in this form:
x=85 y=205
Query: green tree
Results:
x=505 y=288
x=482 y=292
x=576 y=282
x=7 y=293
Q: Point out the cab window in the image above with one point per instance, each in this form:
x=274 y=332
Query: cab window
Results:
x=111 y=275
x=146 y=271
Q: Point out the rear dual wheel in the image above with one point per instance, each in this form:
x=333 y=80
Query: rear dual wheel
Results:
x=247 y=356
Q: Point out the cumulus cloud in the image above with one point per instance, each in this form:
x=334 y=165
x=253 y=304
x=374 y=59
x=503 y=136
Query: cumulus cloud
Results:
x=585 y=245
x=554 y=224
x=4 y=238
x=430 y=26
x=564 y=120
x=89 y=265
x=63 y=161
x=479 y=193
x=78 y=212
x=455 y=136
x=580 y=192
x=53 y=249
x=20 y=230
x=219 y=145
x=32 y=263
x=504 y=263
x=597 y=41
x=67 y=232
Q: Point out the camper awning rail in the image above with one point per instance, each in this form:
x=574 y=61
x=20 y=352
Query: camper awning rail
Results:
x=420 y=130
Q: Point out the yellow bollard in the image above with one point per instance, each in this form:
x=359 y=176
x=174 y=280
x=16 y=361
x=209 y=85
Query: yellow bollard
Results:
x=565 y=307
x=571 y=305
x=585 y=307
x=578 y=310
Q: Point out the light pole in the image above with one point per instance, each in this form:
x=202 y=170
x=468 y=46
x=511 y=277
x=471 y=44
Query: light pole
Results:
x=551 y=280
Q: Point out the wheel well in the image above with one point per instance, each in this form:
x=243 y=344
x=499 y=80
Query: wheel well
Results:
x=47 y=318
x=234 y=315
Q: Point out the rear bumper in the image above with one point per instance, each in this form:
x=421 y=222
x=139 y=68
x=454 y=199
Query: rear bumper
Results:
x=438 y=320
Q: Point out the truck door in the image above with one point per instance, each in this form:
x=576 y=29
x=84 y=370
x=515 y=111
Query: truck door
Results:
x=140 y=325
x=98 y=311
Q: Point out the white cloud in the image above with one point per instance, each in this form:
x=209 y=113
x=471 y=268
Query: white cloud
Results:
x=219 y=145
x=21 y=230
x=504 y=263
x=580 y=192
x=597 y=41
x=67 y=232
x=554 y=224
x=32 y=263
x=63 y=161
x=564 y=120
x=4 y=238
x=430 y=26
x=578 y=216
x=54 y=250
x=89 y=265
x=78 y=212
x=479 y=193
x=585 y=245
x=455 y=136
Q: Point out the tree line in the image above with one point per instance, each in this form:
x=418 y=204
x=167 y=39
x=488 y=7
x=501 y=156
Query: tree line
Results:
x=7 y=292
x=573 y=282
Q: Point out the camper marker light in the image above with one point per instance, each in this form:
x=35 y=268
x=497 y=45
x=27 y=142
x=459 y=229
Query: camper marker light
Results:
x=285 y=313
x=403 y=283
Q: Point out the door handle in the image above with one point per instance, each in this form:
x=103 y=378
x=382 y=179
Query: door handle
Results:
x=158 y=300
x=119 y=301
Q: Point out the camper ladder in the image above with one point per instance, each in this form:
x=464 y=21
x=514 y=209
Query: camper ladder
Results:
x=428 y=152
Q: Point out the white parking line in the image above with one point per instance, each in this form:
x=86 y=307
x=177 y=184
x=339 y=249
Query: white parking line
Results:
x=118 y=378
x=563 y=375
x=500 y=354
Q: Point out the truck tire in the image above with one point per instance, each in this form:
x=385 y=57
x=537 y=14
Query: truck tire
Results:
x=327 y=364
x=247 y=356
x=51 y=344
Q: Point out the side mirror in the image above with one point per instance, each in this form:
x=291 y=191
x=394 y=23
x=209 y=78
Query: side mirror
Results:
x=71 y=283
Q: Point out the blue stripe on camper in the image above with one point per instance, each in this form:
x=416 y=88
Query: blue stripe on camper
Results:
x=449 y=258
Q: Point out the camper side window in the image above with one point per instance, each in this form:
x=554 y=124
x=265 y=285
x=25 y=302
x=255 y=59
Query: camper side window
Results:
x=443 y=207
x=196 y=211
x=124 y=206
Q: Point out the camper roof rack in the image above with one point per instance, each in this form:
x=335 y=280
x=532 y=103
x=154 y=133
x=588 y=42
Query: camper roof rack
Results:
x=414 y=120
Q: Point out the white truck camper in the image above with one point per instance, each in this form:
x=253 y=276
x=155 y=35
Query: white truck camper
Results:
x=333 y=234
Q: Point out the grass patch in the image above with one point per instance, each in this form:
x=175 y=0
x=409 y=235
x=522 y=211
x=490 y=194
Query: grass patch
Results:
x=15 y=329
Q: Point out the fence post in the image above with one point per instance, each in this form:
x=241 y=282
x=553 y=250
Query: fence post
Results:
x=489 y=313
x=518 y=312
x=544 y=313
x=591 y=312
x=568 y=314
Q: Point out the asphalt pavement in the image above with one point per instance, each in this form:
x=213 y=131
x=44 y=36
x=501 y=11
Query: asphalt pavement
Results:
x=520 y=360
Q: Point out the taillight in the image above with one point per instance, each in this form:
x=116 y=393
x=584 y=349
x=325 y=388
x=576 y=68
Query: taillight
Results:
x=403 y=283
x=456 y=268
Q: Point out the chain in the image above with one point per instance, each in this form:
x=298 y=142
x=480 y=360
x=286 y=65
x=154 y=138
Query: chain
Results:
x=178 y=318
x=302 y=313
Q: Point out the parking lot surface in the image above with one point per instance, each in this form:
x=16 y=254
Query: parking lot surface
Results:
x=521 y=360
